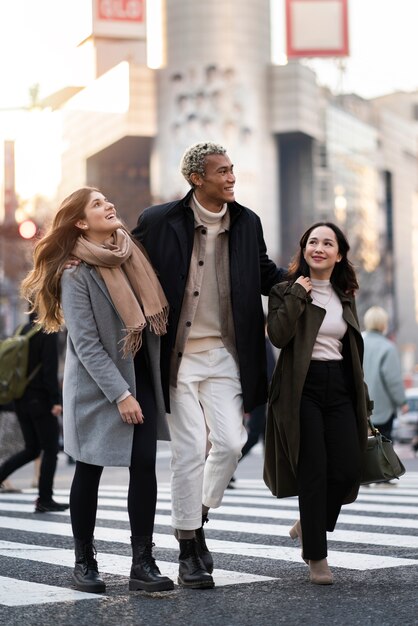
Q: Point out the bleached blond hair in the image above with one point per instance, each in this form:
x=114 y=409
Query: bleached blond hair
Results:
x=193 y=160
x=376 y=318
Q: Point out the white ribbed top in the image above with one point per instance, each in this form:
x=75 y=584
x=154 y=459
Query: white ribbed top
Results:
x=328 y=345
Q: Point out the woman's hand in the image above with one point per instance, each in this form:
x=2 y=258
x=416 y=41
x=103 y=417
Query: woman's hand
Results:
x=305 y=281
x=72 y=261
x=130 y=411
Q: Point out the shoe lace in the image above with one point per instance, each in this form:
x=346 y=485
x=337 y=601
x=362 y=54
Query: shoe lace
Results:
x=90 y=553
x=195 y=557
x=147 y=554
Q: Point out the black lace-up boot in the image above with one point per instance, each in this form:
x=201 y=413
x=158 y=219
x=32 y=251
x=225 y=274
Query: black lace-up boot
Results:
x=192 y=572
x=204 y=553
x=145 y=574
x=86 y=575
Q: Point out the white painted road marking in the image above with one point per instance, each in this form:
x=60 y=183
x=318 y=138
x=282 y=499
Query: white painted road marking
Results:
x=240 y=512
x=113 y=563
x=348 y=560
x=15 y=592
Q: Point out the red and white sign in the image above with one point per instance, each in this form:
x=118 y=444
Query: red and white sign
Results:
x=124 y=10
x=317 y=28
x=122 y=19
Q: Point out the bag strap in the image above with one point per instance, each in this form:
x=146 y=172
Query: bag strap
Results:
x=375 y=431
x=35 y=329
x=34 y=372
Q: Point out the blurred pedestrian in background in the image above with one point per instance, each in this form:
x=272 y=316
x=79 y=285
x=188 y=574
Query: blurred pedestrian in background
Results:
x=38 y=411
x=11 y=441
x=256 y=424
x=382 y=371
x=318 y=406
x=114 y=310
x=255 y=420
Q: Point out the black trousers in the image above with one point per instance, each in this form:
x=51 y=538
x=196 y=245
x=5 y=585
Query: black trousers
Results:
x=40 y=430
x=142 y=491
x=386 y=428
x=256 y=427
x=329 y=455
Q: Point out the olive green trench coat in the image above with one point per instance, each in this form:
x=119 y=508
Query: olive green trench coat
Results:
x=293 y=324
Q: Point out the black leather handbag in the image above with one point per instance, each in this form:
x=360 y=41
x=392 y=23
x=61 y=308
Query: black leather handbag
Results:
x=380 y=461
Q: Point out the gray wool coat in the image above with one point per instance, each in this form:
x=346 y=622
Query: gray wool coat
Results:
x=383 y=375
x=95 y=374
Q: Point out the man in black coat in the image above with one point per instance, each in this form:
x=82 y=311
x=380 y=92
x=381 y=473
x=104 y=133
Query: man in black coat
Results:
x=211 y=259
x=37 y=411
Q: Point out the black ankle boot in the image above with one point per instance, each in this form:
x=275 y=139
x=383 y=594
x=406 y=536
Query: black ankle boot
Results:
x=204 y=553
x=145 y=574
x=192 y=572
x=86 y=575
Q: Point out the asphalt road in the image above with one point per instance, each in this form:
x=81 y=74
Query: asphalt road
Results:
x=260 y=577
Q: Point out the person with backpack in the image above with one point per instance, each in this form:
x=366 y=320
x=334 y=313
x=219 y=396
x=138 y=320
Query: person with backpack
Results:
x=38 y=410
x=115 y=312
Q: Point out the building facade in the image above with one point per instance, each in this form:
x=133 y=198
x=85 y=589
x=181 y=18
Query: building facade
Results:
x=301 y=154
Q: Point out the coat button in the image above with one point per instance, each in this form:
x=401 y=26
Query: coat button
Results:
x=201 y=262
x=180 y=354
x=203 y=231
x=196 y=293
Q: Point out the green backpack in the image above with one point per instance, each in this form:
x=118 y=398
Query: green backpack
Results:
x=14 y=355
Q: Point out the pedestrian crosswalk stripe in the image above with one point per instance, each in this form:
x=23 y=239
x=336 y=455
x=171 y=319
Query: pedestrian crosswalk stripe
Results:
x=274 y=503
x=114 y=563
x=346 y=536
x=15 y=592
x=248 y=512
x=337 y=559
x=263 y=496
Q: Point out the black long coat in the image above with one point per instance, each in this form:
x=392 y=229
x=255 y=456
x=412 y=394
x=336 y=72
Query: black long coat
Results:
x=293 y=325
x=167 y=231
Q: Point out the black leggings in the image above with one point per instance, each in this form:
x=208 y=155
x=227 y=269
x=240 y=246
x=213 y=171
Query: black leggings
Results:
x=142 y=493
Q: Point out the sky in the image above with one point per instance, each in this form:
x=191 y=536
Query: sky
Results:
x=37 y=38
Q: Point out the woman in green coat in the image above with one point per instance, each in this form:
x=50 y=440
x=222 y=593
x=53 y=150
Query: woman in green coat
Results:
x=318 y=404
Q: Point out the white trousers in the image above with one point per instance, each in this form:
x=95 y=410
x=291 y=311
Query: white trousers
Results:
x=205 y=405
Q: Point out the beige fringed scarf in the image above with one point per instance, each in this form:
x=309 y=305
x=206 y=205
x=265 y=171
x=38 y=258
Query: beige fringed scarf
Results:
x=132 y=284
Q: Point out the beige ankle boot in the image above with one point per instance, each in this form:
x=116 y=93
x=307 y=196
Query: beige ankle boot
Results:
x=320 y=574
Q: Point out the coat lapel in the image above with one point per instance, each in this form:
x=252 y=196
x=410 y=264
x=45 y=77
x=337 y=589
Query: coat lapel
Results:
x=182 y=223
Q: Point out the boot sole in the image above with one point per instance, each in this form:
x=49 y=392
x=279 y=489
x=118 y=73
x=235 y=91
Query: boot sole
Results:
x=139 y=585
x=204 y=584
x=90 y=588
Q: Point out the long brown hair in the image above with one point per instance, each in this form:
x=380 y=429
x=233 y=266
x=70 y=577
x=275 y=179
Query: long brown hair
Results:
x=42 y=286
x=343 y=275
